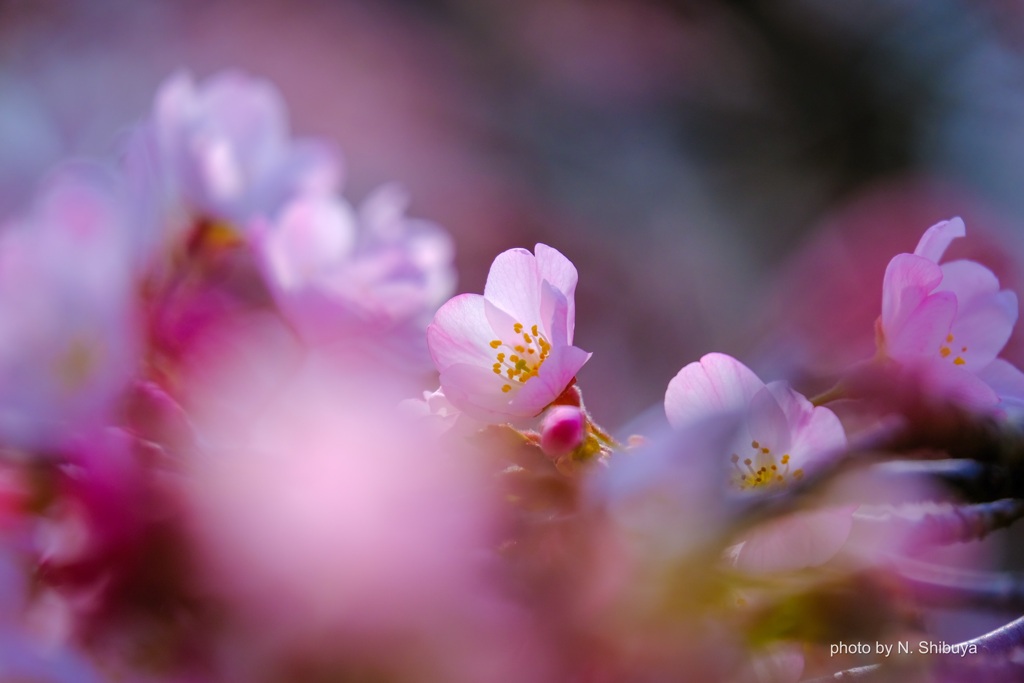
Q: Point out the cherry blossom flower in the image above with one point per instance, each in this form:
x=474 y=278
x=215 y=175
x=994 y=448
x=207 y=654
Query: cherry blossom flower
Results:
x=69 y=336
x=221 y=152
x=509 y=353
x=781 y=434
x=373 y=274
x=949 y=322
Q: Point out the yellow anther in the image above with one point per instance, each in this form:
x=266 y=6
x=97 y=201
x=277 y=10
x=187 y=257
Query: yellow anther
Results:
x=949 y=339
x=534 y=330
x=506 y=388
x=765 y=450
x=501 y=357
x=785 y=459
x=527 y=338
x=518 y=327
x=798 y=474
x=748 y=461
x=530 y=351
x=944 y=351
x=520 y=348
x=959 y=361
x=735 y=458
x=496 y=343
x=754 y=444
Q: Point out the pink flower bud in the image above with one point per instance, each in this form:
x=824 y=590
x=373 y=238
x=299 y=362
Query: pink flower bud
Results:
x=562 y=430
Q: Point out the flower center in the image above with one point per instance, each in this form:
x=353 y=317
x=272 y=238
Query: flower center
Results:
x=517 y=362
x=762 y=469
x=946 y=351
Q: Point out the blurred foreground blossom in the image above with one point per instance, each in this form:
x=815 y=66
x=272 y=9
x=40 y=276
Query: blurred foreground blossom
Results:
x=948 y=323
x=509 y=353
x=337 y=530
x=69 y=330
x=782 y=433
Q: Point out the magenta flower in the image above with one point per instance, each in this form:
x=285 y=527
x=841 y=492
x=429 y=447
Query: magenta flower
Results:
x=781 y=434
x=509 y=353
x=949 y=322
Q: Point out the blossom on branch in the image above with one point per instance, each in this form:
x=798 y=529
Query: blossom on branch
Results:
x=509 y=352
x=780 y=435
x=949 y=322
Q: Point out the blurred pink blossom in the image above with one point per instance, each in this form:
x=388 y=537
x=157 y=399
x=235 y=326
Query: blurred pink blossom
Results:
x=221 y=151
x=69 y=333
x=373 y=276
x=948 y=323
x=509 y=353
x=336 y=528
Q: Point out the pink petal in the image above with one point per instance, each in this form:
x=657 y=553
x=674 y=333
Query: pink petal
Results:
x=983 y=326
x=311 y=235
x=552 y=379
x=767 y=422
x=908 y=280
x=513 y=284
x=821 y=436
x=803 y=539
x=924 y=330
x=967 y=279
x=460 y=333
x=556 y=320
x=796 y=407
x=937 y=238
x=561 y=273
x=476 y=391
x=1005 y=379
x=717 y=383
x=947 y=382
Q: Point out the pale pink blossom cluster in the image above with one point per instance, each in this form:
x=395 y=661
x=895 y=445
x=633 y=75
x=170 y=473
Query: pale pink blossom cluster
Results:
x=214 y=466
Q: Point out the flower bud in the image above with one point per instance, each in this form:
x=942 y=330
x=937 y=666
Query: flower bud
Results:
x=562 y=430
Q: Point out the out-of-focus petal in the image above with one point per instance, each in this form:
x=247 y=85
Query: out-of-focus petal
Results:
x=924 y=330
x=936 y=239
x=806 y=539
x=908 y=280
x=1005 y=379
x=982 y=327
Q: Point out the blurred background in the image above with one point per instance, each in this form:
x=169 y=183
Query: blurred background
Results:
x=726 y=176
